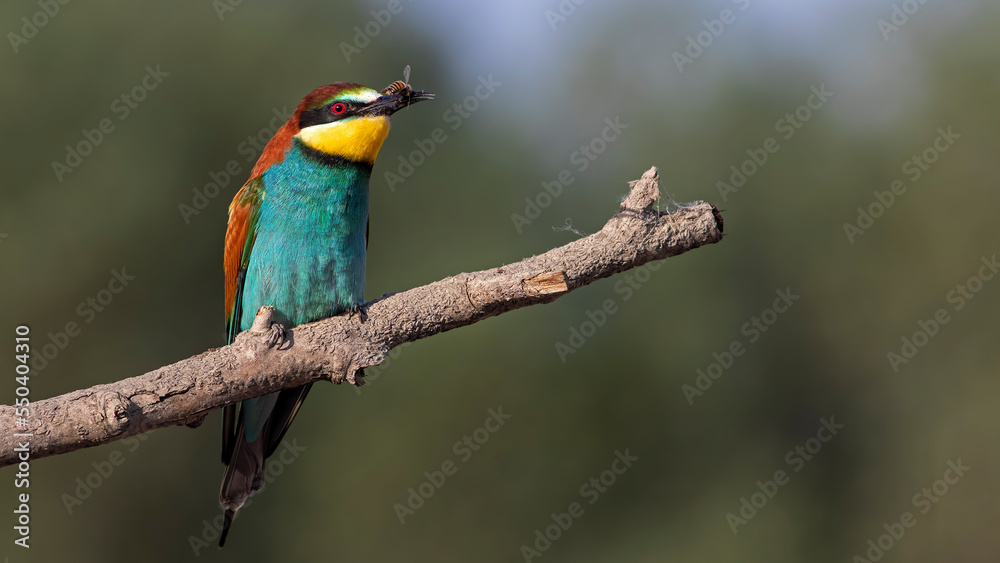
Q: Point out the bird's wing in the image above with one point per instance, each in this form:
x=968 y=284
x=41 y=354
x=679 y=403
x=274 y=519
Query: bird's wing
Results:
x=240 y=236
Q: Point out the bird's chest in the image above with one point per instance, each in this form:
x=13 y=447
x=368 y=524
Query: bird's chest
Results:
x=308 y=260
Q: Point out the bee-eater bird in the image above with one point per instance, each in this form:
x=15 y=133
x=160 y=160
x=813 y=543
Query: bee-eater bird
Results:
x=297 y=238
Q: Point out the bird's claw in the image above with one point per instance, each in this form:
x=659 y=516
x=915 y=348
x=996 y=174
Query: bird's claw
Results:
x=360 y=312
x=276 y=335
x=357 y=378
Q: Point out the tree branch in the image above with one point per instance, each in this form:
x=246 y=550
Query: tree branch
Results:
x=338 y=348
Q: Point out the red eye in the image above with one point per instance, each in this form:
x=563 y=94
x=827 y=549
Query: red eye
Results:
x=338 y=108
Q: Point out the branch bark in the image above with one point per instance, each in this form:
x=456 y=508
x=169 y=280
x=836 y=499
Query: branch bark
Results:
x=339 y=348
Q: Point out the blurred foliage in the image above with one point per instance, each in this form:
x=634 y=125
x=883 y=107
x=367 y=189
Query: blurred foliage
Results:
x=825 y=357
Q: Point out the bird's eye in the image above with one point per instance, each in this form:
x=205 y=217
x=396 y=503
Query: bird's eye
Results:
x=338 y=108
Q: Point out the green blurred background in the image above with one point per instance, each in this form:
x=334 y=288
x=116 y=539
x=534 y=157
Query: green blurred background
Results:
x=230 y=68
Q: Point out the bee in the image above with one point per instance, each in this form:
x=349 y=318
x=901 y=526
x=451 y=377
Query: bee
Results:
x=400 y=85
x=397 y=86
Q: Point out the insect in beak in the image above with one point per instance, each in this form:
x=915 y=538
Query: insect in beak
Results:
x=400 y=85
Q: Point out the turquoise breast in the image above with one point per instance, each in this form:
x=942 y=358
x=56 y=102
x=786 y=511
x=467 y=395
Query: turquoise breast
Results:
x=308 y=260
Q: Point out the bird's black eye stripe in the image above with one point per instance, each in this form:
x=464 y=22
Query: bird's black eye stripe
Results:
x=350 y=107
x=326 y=114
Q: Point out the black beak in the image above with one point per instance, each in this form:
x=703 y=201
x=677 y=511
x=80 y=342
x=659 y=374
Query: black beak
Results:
x=392 y=102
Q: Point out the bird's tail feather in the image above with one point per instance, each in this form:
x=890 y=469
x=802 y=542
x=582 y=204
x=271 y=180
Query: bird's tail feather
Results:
x=243 y=476
x=245 y=470
x=228 y=516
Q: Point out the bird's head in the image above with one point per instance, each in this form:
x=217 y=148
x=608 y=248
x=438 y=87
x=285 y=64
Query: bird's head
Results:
x=350 y=120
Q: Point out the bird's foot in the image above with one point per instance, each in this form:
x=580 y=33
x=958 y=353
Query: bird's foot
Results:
x=357 y=378
x=271 y=330
x=276 y=336
x=360 y=312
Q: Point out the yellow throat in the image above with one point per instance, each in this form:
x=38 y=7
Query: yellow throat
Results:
x=357 y=138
